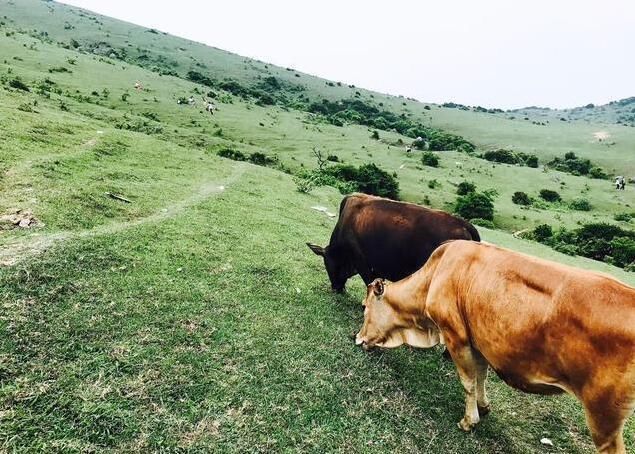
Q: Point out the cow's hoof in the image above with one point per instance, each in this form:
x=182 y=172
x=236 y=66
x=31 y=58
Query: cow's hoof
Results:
x=483 y=411
x=466 y=425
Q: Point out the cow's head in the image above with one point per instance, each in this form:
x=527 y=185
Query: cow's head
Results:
x=338 y=266
x=389 y=322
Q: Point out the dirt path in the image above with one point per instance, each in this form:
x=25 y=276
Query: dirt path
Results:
x=21 y=248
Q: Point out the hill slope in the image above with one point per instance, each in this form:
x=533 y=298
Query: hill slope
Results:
x=195 y=317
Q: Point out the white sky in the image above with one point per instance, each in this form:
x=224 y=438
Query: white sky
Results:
x=495 y=53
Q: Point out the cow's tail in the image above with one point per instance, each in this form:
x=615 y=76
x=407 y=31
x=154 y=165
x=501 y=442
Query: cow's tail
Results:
x=473 y=232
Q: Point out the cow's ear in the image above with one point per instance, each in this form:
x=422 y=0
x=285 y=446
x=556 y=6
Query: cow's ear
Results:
x=378 y=287
x=317 y=250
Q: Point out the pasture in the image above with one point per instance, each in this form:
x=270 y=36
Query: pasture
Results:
x=195 y=318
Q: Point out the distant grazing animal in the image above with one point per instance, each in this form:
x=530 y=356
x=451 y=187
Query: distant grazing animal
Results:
x=377 y=237
x=209 y=106
x=138 y=86
x=544 y=327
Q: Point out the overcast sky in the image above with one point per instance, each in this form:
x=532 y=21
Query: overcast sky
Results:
x=495 y=53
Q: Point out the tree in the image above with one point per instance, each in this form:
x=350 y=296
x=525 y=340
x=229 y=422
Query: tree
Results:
x=429 y=159
x=465 y=187
x=475 y=205
x=321 y=161
x=521 y=198
x=549 y=195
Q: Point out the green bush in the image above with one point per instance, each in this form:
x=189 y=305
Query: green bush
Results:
x=333 y=158
x=598 y=172
x=230 y=153
x=465 y=187
x=503 y=156
x=475 y=205
x=625 y=217
x=549 y=195
x=598 y=241
x=18 y=84
x=261 y=159
x=542 y=233
x=373 y=180
x=367 y=178
x=623 y=251
x=429 y=159
x=532 y=161
x=576 y=166
x=580 y=205
x=521 y=198
x=433 y=184
x=375 y=135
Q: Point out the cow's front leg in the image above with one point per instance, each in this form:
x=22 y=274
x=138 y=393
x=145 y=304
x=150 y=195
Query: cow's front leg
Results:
x=466 y=367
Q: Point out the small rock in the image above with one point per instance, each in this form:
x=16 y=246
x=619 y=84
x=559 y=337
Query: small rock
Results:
x=546 y=441
x=24 y=223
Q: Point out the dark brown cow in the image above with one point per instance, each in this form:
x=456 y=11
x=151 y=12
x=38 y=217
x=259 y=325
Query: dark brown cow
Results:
x=544 y=328
x=378 y=237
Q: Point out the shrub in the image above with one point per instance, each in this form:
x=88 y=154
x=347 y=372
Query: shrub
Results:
x=59 y=69
x=18 y=84
x=368 y=178
x=373 y=180
x=521 y=198
x=261 y=159
x=433 y=184
x=429 y=159
x=623 y=251
x=230 y=153
x=532 y=161
x=580 y=205
x=304 y=184
x=598 y=172
x=542 y=233
x=199 y=78
x=333 y=158
x=475 y=205
x=375 y=135
x=571 y=164
x=25 y=107
x=549 y=195
x=503 y=156
x=625 y=217
x=465 y=187
x=483 y=223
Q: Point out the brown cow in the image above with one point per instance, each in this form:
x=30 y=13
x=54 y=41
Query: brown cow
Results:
x=544 y=328
x=378 y=237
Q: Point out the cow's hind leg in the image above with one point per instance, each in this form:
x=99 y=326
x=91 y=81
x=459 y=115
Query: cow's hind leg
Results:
x=482 y=402
x=467 y=368
x=606 y=415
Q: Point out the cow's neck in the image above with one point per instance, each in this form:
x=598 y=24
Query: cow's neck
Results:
x=409 y=294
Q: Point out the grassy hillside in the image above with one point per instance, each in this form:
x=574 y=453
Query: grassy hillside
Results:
x=195 y=317
x=621 y=112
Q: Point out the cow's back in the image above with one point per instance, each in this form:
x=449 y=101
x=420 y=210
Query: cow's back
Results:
x=541 y=325
x=394 y=239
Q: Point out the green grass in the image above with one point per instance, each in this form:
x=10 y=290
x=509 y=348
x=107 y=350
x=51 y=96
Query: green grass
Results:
x=195 y=318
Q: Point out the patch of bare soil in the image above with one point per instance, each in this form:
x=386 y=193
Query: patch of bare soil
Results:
x=19 y=219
